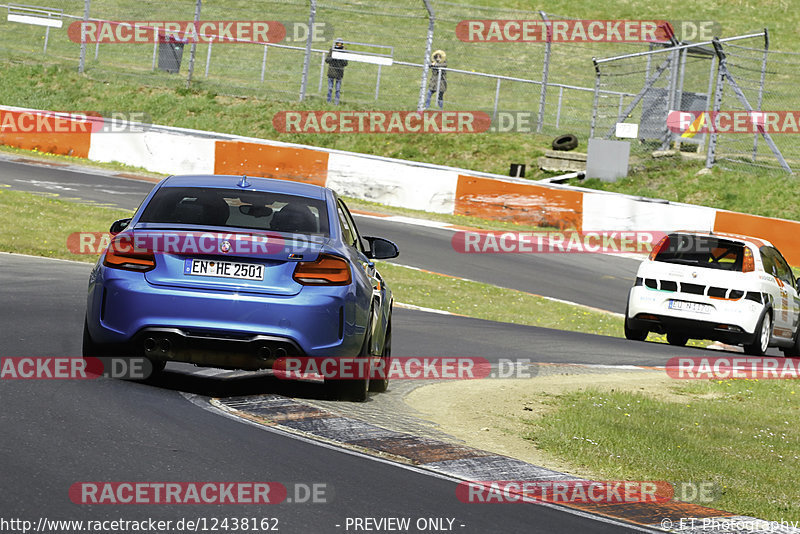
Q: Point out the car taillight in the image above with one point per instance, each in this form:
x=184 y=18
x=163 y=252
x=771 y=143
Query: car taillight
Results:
x=326 y=270
x=663 y=243
x=122 y=254
x=749 y=264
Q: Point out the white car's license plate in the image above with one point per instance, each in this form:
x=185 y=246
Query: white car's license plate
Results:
x=225 y=269
x=689 y=306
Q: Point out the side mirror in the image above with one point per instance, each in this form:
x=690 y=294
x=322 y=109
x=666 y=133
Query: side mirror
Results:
x=381 y=249
x=119 y=226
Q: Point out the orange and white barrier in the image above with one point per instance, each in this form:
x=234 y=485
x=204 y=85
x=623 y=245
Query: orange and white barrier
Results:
x=394 y=182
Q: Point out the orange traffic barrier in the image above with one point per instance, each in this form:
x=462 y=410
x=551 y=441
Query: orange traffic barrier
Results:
x=285 y=163
x=45 y=132
x=532 y=204
x=780 y=232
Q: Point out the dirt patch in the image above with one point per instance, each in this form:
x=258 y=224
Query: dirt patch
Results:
x=491 y=414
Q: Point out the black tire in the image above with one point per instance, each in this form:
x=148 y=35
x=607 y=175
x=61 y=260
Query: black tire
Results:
x=89 y=348
x=794 y=350
x=761 y=342
x=565 y=142
x=354 y=390
x=380 y=381
x=674 y=338
x=634 y=334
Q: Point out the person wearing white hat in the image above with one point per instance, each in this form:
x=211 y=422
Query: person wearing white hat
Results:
x=437 y=83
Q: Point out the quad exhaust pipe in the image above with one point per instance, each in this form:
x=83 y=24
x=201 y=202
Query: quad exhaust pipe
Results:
x=152 y=344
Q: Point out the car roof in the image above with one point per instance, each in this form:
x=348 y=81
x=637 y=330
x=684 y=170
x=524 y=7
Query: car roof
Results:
x=229 y=181
x=756 y=241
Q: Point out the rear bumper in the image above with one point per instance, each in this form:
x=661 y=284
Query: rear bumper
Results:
x=123 y=309
x=729 y=321
x=213 y=349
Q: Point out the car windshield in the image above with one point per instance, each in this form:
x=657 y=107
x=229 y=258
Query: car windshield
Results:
x=702 y=251
x=211 y=206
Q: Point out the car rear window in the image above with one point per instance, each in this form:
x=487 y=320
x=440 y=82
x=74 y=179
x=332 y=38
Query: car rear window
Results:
x=211 y=206
x=702 y=251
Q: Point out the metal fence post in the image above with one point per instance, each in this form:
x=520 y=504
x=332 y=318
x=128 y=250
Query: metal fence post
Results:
x=197 y=8
x=321 y=73
x=672 y=83
x=761 y=87
x=208 y=54
x=264 y=63
x=426 y=62
x=711 y=155
x=86 y=8
x=545 y=73
x=595 y=100
x=312 y=15
x=558 y=111
x=496 y=99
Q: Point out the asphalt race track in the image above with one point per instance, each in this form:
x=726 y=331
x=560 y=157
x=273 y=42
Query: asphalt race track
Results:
x=59 y=432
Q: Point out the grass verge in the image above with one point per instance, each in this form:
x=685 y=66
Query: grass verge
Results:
x=485 y=301
x=39 y=225
x=739 y=435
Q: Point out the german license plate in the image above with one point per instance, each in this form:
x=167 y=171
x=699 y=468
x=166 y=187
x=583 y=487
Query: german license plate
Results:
x=689 y=306
x=224 y=269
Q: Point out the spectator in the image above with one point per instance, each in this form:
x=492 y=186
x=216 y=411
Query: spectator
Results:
x=335 y=70
x=437 y=82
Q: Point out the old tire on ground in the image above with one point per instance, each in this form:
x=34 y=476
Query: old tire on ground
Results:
x=565 y=142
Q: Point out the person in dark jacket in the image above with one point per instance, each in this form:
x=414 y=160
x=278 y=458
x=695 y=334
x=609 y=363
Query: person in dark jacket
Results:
x=437 y=82
x=335 y=71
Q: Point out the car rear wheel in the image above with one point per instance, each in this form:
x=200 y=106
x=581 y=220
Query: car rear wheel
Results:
x=354 y=389
x=763 y=331
x=794 y=350
x=89 y=349
x=679 y=340
x=379 y=382
x=634 y=334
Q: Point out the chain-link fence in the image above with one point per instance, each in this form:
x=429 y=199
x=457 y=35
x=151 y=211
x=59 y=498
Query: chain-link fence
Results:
x=766 y=80
x=720 y=81
x=550 y=81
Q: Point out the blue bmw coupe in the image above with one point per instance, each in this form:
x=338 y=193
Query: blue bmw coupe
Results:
x=238 y=273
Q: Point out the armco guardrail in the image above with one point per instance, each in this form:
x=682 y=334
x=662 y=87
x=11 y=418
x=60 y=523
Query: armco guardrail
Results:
x=394 y=182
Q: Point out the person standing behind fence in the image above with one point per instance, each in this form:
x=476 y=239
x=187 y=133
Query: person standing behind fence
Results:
x=438 y=78
x=335 y=70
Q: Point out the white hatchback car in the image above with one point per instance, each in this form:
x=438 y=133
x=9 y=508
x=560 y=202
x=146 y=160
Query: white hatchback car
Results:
x=729 y=288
